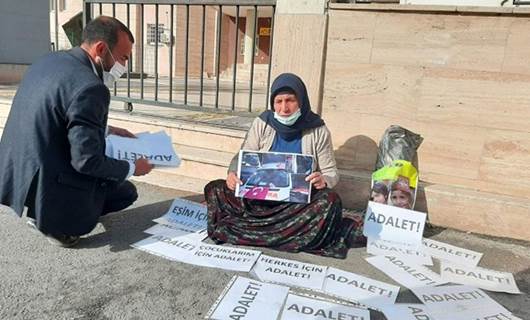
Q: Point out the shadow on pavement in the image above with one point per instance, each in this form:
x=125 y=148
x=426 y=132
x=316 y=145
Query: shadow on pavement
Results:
x=121 y=229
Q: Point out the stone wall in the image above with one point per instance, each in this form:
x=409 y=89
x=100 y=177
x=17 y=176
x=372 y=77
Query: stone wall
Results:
x=461 y=81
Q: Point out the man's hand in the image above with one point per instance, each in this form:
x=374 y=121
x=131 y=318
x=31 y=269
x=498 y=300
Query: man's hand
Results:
x=317 y=180
x=121 y=132
x=143 y=167
x=232 y=180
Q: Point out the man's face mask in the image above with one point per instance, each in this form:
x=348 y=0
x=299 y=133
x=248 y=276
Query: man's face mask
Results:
x=115 y=73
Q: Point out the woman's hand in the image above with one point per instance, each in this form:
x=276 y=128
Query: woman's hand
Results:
x=317 y=180
x=232 y=180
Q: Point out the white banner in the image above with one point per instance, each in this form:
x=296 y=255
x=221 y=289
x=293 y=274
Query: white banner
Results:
x=228 y=258
x=444 y=251
x=356 y=288
x=458 y=302
x=402 y=311
x=186 y=215
x=171 y=231
x=479 y=314
x=175 y=249
x=155 y=147
x=190 y=250
x=408 y=274
x=410 y=253
x=247 y=299
x=395 y=224
x=301 y=308
x=479 y=277
x=290 y=272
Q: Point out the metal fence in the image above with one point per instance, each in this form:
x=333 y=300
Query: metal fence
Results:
x=166 y=74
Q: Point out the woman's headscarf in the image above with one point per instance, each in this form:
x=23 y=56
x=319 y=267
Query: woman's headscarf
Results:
x=288 y=82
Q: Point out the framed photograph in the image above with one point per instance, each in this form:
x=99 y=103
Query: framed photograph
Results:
x=274 y=176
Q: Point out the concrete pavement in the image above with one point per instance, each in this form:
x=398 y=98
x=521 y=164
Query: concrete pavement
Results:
x=104 y=278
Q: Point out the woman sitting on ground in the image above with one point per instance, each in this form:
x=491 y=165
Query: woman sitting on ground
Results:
x=316 y=227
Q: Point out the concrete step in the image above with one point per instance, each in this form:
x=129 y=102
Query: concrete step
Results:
x=197 y=163
x=173 y=181
x=200 y=163
x=186 y=128
x=261 y=73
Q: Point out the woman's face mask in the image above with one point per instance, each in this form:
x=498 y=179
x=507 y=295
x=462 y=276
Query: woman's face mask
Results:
x=286 y=108
x=288 y=120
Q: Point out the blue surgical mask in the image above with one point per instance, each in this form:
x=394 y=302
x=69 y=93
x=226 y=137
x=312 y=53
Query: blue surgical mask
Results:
x=288 y=120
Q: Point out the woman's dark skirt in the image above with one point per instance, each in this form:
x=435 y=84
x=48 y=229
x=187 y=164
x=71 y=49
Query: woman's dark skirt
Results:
x=317 y=227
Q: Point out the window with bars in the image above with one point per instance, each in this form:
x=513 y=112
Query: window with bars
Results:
x=242 y=46
x=61 y=4
x=152 y=37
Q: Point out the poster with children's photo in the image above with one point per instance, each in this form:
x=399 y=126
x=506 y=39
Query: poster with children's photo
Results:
x=395 y=185
x=274 y=176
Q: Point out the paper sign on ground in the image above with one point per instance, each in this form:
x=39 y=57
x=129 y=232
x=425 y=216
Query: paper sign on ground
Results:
x=402 y=311
x=190 y=250
x=444 y=251
x=290 y=272
x=178 y=249
x=229 y=258
x=156 y=147
x=356 y=288
x=452 y=302
x=480 y=314
x=186 y=215
x=246 y=299
x=406 y=252
x=171 y=232
x=302 y=308
x=408 y=274
x=395 y=224
x=479 y=277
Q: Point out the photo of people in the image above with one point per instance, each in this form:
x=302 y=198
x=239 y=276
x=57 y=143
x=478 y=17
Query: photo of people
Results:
x=274 y=176
x=395 y=185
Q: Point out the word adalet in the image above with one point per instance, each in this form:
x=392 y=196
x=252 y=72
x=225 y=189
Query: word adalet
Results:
x=395 y=249
x=418 y=313
x=245 y=301
x=175 y=242
x=133 y=156
x=470 y=295
x=395 y=222
x=412 y=271
x=323 y=314
x=360 y=285
x=477 y=275
x=449 y=250
x=289 y=273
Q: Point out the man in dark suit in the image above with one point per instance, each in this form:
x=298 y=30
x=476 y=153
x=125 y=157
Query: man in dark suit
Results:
x=52 y=151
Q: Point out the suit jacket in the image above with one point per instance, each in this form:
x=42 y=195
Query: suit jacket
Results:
x=52 y=151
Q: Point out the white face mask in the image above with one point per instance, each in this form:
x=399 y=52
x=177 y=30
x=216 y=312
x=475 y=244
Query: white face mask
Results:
x=115 y=72
x=288 y=120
